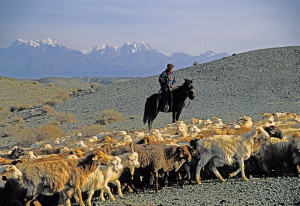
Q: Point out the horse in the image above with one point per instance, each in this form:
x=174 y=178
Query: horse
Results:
x=178 y=97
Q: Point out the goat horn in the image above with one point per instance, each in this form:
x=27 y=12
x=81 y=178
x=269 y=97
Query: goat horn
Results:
x=35 y=153
x=240 y=123
x=131 y=145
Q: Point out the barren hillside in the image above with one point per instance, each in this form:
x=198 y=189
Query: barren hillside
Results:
x=250 y=83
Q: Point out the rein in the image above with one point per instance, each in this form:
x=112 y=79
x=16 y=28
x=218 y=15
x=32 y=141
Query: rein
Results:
x=187 y=105
x=184 y=104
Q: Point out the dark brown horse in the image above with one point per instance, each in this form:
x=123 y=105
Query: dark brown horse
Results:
x=179 y=95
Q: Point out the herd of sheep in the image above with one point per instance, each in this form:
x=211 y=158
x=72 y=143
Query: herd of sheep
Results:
x=180 y=152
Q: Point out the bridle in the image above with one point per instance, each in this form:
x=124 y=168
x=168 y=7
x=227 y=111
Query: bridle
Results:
x=186 y=96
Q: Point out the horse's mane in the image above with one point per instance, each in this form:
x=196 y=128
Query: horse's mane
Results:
x=186 y=81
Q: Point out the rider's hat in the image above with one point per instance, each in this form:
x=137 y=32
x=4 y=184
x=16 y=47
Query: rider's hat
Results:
x=169 y=66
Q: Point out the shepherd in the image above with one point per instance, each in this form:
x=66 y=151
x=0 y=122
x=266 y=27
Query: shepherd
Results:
x=178 y=96
x=167 y=82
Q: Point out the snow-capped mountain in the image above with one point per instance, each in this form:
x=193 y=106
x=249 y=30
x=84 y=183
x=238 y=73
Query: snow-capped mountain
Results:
x=40 y=58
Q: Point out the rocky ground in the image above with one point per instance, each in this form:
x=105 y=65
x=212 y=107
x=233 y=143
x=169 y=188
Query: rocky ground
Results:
x=257 y=191
x=249 y=83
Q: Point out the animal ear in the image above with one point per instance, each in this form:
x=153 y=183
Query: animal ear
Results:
x=257 y=131
x=180 y=151
x=95 y=158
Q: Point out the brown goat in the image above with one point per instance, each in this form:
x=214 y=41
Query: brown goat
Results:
x=155 y=157
x=63 y=175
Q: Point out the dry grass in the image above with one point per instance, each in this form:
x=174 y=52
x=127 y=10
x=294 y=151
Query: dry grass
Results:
x=94 y=85
x=63 y=95
x=3 y=111
x=75 y=91
x=20 y=107
x=47 y=109
x=27 y=136
x=39 y=102
x=12 y=127
x=54 y=102
x=51 y=84
x=108 y=116
x=63 y=117
x=91 y=130
x=9 y=130
x=16 y=92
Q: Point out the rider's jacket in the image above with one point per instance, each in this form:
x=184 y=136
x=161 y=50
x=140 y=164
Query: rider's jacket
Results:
x=164 y=79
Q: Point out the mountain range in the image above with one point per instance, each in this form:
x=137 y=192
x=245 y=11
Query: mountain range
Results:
x=42 y=58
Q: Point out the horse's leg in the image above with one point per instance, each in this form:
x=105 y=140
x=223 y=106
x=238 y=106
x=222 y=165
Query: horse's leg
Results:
x=178 y=113
x=173 y=117
x=152 y=118
x=150 y=124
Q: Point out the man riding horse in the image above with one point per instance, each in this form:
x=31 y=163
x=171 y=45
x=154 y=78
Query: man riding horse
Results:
x=167 y=82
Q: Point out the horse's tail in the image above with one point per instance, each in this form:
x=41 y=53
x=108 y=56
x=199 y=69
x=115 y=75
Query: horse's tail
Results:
x=146 y=111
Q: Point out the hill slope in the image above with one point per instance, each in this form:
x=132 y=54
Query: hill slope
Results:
x=65 y=82
x=250 y=83
x=14 y=92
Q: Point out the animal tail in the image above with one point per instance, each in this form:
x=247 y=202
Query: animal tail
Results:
x=146 y=111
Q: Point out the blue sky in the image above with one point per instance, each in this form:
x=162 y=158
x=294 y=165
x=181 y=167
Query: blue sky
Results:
x=192 y=26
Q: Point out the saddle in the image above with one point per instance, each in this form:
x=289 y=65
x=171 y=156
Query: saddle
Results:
x=169 y=102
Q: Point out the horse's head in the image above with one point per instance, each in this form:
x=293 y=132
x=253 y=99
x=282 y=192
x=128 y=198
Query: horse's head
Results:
x=189 y=88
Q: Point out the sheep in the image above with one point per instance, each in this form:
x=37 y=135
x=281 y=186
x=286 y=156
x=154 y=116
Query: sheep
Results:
x=128 y=160
x=11 y=190
x=181 y=154
x=45 y=144
x=280 y=117
x=46 y=177
x=188 y=170
x=245 y=122
x=92 y=139
x=13 y=193
x=49 y=151
x=283 y=151
x=4 y=161
x=79 y=144
x=15 y=153
x=205 y=124
x=216 y=122
x=227 y=150
x=100 y=178
x=156 y=135
x=104 y=174
x=49 y=157
x=123 y=139
x=137 y=135
x=274 y=131
x=155 y=157
x=9 y=172
x=233 y=126
x=182 y=130
x=295 y=148
x=267 y=120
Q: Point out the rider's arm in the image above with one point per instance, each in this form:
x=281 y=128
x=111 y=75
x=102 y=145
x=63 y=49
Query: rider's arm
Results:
x=163 y=79
x=174 y=80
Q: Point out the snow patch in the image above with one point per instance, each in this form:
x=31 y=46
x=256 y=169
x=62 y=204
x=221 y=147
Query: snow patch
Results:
x=49 y=42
